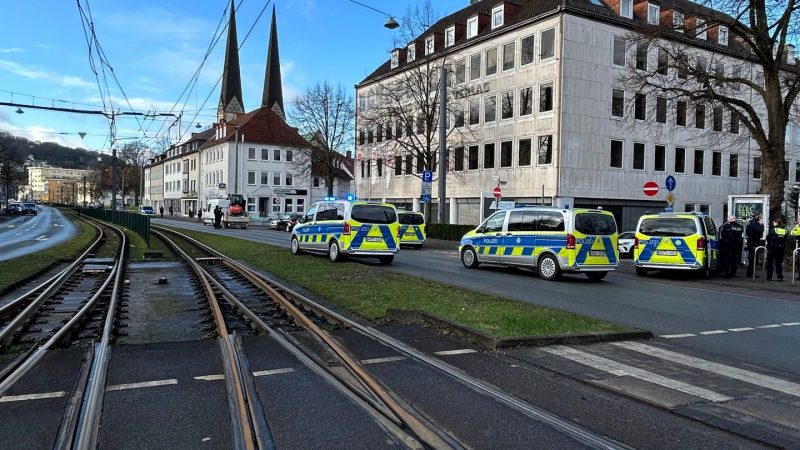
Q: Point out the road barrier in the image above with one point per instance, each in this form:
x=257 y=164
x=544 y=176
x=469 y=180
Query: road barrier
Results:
x=794 y=263
x=139 y=223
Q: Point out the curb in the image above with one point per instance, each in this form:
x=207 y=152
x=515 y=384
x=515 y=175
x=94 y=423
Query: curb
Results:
x=495 y=342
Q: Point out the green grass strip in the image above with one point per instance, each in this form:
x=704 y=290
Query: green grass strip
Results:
x=368 y=291
x=22 y=267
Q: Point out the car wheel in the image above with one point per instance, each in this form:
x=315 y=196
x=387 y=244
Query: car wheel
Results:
x=596 y=276
x=469 y=258
x=386 y=260
x=548 y=268
x=295 y=247
x=334 y=252
x=641 y=271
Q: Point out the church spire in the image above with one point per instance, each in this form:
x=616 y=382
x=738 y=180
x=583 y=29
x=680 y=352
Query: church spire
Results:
x=273 y=91
x=231 y=104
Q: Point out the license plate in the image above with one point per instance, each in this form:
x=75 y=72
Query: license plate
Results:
x=374 y=239
x=597 y=253
x=667 y=252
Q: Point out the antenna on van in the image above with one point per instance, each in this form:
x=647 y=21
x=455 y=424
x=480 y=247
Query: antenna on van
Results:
x=600 y=208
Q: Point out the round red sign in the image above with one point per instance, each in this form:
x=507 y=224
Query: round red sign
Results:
x=650 y=188
x=497 y=193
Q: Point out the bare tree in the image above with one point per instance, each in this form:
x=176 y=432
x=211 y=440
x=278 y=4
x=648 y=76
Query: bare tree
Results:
x=756 y=78
x=327 y=115
x=134 y=155
x=12 y=171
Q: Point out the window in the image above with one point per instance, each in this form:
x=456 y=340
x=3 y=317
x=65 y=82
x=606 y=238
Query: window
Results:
x=619 y=51
x=719 y=72
x=677 y=21
x=680 y=113
x=545 y=150
x=276 y=177
x=702 y=63
x=698 y=162
x=458 y=156
x=370 y=139
x=735 y=122
x=507 y=108
x=395 y=58
x=717 y=118
x=506 y=148
x=288 y=206
x=521 y=221
x=796 y=171
x=276 y=154
x=398 y=129
x=265 y=152
x=548 y=43
x=420 y=124
x=472 y=27
x=497 y=17
x=398 y=165
x=379 y=134
x=265 y=178
x=641 y=56
x=680 y=160
x=409 y=164
x=757 y=168
x=716 y=164
x=723 y=35
x=525 y=101
x=461 y=71
x=316 y=182
x=546 y=97
x=508 y=56
x=683 y=66
x=362 y=137
x=640 y=107
x=785 y=172
x=301 y=205
x=474 y=111
x=458 y=115
x=450 y=36
x=736 y=72
x=663 y=62
x=388 y=129
x=626 y=8
x=495 y=222
x=659 y=158
x=251 y=178
x=733 y=165
x=638 y=156
x=652 y=14
x=689 y=207
x=420 y=164
x=411 y=54
x=489 y=109
x=475 y=67
x=550 y=221
x=616 y=154
x=661 y=109
x=524 y=152
x=701 y=31
x=429 y=45
x=251 y=153
x=472 y=157
x=617 y=102
x=526 y=50
x=491 y=61
x=488 y=156
x=379 y=166
x=700 y=116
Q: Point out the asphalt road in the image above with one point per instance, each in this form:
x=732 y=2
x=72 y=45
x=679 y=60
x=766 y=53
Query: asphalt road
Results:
x=666 y=305
x=20 y=235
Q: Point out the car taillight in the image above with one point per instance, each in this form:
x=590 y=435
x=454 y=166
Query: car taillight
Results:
x=346 y=228
x=701 y=244
x=636 y=243
x=570 y=242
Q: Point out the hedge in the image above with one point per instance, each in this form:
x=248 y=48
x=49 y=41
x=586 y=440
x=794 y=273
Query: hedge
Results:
x=447 y=232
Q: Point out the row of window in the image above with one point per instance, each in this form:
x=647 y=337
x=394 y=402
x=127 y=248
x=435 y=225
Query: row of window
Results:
x=214 y=178
x=757 y=170
x=288 y=179
x=276 y=155
x=654 y=18
x=286 y=205
x=657 y=157
x=640 y=112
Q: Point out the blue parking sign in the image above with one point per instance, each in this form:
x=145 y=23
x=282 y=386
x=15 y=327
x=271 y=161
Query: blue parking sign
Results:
x=427 y=176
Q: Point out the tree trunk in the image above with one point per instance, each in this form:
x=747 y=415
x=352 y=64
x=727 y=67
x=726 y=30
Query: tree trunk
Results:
x=329 y=184
x=773 y=174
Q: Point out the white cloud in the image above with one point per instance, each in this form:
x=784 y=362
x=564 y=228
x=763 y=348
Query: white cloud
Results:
x=42 y=134
x=11 y=50
x=34 y=73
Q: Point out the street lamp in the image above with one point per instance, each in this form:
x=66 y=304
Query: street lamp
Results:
x=390 y=22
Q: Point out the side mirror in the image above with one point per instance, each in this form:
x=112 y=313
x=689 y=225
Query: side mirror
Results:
x=301 y=219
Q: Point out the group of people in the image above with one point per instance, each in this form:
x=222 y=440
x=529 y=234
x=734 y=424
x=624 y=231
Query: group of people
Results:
x=731 y=241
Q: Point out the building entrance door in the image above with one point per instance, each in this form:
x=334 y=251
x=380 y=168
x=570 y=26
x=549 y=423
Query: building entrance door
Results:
x=263 y=206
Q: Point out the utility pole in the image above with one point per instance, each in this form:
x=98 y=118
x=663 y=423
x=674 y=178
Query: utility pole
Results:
x=84 y=191
x=113 y=179
x=442 y=143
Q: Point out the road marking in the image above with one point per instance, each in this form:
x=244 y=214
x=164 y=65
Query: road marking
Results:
x=143 y=384
x=382 y=360
x=42 y=238
x=210 y=377
x=20 y=398
x=619 y=369
x=735 y=330
x=677 y=336
x=263 y=373
x=741 y=329
x=774 y=325
x=456 y=352
x=790 y=324
x=714 y=332
x=776 y=384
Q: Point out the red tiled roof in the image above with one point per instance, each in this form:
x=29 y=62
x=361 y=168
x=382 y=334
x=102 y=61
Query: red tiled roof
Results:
x=262 y=126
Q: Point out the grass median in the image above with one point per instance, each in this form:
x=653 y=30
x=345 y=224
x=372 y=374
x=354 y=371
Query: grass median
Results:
x=369 y=291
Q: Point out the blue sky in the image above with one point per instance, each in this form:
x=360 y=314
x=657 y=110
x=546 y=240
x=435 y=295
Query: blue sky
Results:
x=155 y=46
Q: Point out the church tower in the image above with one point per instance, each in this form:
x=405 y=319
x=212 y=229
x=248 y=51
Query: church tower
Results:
x=273 y=90
x=231 y=104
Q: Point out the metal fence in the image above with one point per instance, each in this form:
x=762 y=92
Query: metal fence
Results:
x=139 y=223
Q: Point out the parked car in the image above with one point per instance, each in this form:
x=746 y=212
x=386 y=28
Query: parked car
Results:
x=29 y=209
x=287 y=222
x=272 y=221
x=625 y=243
x=14 y=208
x=147 y=210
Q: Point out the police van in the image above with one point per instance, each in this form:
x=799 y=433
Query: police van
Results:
x=412 y=228
x=680 y=241
x=343 y=228
x=551 y=240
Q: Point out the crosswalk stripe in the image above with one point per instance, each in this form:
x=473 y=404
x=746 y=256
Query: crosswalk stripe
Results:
x=619 y=369
x=776 y=384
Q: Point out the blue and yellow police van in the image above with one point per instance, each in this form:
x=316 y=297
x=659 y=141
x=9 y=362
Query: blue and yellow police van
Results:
x=341 y=228
x=412 y=228
x=676 y=241
x=548 y=239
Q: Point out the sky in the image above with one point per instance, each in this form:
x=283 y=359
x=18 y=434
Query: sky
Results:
x=156 y=46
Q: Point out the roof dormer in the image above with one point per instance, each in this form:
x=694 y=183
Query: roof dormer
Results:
x=653 y=14
x=476 y=24
x=502 y=12
x=413 y=50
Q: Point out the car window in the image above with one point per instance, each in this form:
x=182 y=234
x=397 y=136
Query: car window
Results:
x=411 y=219
x=330 y=211
x=595 y=224
x=310 y=214
x=668 y=227
x=711 y=228
x=373 y=214
x=522 y=221
x=495 y=222
x=550 y=221
x=627 y=235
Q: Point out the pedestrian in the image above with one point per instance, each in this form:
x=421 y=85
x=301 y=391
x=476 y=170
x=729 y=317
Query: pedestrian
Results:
x=170 y=210
x=776 y=247
x=755 y=233
x=217 y=217
x=161 y=211
x=730 y=246
x=200 y=215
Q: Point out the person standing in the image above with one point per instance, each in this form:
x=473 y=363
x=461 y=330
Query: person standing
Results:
x=200 y=215
x=217 y=217
x=731 y=241
x=776 y=247
x=161 y=211
x=755 y=231
x=171 y=211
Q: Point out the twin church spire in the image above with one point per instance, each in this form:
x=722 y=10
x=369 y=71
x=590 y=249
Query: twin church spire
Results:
x=231 y=104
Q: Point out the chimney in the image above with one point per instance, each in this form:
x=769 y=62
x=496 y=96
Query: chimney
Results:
x=790 y=54
x=349 y=154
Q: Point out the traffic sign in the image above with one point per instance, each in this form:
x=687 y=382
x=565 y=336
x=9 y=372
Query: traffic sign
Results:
x=426 y=198
x=670 y=199
x=650 y=188
x=671 y=183
x=668 y=209
x=426 y=188
x=497 y=192
x=427 y=176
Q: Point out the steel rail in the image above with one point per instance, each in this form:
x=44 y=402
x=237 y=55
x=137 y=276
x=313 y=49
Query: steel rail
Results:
x=577 y=432
x=243 y=423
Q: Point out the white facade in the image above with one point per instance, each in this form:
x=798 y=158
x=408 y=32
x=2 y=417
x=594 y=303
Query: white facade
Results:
x=39 y=176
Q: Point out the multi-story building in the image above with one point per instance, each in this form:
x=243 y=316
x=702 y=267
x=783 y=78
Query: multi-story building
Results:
x=39 y=178
x=537 y=90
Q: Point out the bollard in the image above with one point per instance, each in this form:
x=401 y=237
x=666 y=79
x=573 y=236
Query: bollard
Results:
x=755 y=262
x=794 y=261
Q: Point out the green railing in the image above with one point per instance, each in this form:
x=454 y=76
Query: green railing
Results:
x=139 y=223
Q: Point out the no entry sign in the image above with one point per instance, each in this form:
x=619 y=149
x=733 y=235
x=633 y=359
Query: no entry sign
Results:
x=650 y=188
x=497 y=193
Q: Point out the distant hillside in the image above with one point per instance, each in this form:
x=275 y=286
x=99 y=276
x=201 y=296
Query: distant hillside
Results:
x=56 y=155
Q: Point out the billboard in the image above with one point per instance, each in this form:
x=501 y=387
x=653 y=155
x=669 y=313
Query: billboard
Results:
x=745 y=206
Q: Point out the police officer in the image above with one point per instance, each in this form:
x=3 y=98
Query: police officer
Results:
x=731 y=241
x=755 y=231
x=776 y=246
